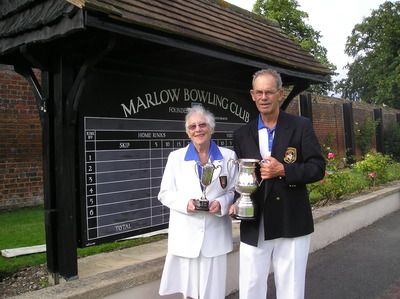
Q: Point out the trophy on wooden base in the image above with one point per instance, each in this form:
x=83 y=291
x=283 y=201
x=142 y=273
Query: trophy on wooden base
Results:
x=207 y=173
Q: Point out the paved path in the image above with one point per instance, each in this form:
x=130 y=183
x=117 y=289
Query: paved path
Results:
x=363 y=265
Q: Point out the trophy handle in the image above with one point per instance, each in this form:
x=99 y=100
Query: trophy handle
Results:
x=231 y=163
x=220 y=170
x=262 y=162
x=196 y=170
x=214 y=167
x=216 y=176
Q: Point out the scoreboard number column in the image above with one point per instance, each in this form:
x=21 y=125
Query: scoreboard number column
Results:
x=91 y=199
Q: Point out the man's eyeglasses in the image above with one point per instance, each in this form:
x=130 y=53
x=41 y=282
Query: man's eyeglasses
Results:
x=201 y=126
x=268 y=93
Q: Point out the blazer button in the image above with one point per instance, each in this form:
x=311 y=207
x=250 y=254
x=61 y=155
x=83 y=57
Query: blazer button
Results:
x=278 y=198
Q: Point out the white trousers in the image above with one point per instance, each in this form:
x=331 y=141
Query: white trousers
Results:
x=288 y=257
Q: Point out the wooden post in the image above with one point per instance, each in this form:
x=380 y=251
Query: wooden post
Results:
x=349 y=132
x=306 y=106
x=379 y=131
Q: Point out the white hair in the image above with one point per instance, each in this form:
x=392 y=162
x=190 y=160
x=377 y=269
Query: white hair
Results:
x=199 y=109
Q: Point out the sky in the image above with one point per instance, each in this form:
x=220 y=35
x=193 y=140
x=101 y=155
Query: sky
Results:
x=334 y=19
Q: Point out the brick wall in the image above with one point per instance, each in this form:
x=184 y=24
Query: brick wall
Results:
x=328 y=118
x=21 y=176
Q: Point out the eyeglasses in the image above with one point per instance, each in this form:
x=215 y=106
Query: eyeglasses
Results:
x=201 y=126
x=268 y=93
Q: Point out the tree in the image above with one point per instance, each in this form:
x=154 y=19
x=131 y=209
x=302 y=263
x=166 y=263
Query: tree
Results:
x=374 y=75
x=291 y=20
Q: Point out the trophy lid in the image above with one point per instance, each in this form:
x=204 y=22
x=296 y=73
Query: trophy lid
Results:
x=248 y=161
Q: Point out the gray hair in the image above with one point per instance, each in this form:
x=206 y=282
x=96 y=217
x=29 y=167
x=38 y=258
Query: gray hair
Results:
x=271 y=72
x=199 y=109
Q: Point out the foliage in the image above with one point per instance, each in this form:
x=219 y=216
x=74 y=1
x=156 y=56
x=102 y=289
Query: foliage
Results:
x=393 y=172
x=392 y=141
x=364 y=135
x=327 y=146
x=25 y=227
x=341 y=180
x=374 y=167
x=374 y=75
x=334 y=186
x=292 y=21
x=336 y=183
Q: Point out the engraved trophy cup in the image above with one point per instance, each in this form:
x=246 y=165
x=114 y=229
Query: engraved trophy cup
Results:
x=207 y=173
x=246 y=183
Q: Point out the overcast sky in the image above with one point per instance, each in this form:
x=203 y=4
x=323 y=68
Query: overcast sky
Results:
x=334 y=19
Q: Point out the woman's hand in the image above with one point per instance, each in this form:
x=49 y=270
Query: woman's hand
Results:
x=215 y=207
x=231 y=210
x=191 y=206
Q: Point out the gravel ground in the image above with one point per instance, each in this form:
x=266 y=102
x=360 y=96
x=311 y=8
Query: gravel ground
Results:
x=27 y=280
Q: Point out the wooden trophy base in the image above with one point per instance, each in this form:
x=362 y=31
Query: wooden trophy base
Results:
x=202 y=205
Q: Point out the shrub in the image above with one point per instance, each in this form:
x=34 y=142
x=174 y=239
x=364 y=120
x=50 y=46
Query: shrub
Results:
x=364 y=135
x=392 y=141
x=327 y=146
x=341 y=180
x=336 y=183
x=394 y=172
x=333 y=186
x=374 y=167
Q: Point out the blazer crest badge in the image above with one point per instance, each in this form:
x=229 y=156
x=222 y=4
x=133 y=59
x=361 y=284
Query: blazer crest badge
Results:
x=223 y=180
x=290 y=155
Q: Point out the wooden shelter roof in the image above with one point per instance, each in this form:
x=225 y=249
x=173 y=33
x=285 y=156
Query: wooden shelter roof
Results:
x=212 y=28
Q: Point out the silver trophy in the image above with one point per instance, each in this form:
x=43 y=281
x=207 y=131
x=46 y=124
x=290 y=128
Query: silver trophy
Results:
x=246 y=183
x=207 y=173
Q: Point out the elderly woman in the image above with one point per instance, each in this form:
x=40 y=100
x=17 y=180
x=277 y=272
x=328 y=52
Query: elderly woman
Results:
x=198 y=241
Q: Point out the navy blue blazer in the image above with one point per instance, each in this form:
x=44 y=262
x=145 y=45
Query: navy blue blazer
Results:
x=283 y=202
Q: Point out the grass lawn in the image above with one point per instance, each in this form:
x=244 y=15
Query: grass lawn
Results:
x=25 y=227
x=21 y=228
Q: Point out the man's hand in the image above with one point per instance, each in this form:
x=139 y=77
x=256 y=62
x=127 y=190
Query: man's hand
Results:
x=271 y=168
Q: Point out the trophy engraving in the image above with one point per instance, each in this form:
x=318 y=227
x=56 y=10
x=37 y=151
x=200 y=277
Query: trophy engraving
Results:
x=207 y=173
x=246 y=183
